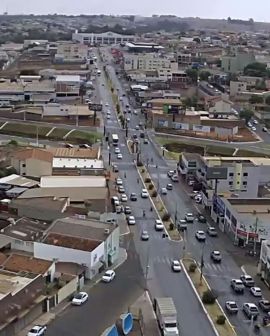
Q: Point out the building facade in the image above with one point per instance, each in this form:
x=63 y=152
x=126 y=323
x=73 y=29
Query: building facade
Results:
x=107 y=38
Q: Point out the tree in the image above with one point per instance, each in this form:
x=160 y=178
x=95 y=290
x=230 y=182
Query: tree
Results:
x=204 y=75
x=193 y=75
x=256 y=69
x=190 y=101
x=255 y=99
x=246 y=114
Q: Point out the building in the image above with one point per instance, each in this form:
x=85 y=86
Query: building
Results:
x=236 y=61
x=244 y=220
x=221 y=108
x=143 y=47
x=148 y=62
x=107 y=38
x=264 y=263
x=184 y=60
x=71 y=52
x=67 y=86
x=91 y=244
x=235 y=176
x=236 y=88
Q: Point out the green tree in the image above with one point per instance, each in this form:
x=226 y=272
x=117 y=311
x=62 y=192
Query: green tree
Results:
x=246 y=114
x=204 y=75
x=256 y=69
x=255 y=99
x=193 y=75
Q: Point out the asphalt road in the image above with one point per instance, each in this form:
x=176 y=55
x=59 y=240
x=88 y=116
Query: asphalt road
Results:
x=161 y=280
x=157 y=252
x=105 y=304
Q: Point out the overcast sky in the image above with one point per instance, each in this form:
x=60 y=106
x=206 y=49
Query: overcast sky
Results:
x=244 y=9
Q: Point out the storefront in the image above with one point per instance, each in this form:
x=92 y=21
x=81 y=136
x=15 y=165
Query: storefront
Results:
x=264 y=264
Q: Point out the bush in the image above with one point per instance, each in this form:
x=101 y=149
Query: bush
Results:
x=171 y=226
x=139 y=164
x=143 y=171
x=208 y=297
x=154 y=193
x=166 y=216
x=221 y=319
x=147 y=180
x=151 y=186
x=192 y=268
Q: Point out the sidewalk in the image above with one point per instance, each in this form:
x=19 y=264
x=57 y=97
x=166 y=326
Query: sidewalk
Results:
x=46 y=318
x=149 y=322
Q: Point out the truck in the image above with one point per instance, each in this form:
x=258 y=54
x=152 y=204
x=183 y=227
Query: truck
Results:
x=166 y=316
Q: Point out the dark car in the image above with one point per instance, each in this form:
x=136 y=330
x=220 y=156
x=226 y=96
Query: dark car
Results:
x=264 y=305
x=201 y=219
x=133 y=197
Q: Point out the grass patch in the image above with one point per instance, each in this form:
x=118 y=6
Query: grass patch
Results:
x=58 y=133
x=85 y=137
x=213 y=309
x=245 y=152
x=28 y=130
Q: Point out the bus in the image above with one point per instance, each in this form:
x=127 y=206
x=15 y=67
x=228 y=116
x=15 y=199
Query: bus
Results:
x=115 y=139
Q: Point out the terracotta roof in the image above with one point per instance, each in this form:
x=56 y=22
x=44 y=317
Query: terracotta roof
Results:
x=89 y=153
x=34 y=153
x=71 y=242
x=3 y=258
x=20 y=263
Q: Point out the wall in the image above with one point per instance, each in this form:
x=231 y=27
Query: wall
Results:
x=20 y=245
x=67 y=290
x=89 y=259
x=237 y=87
x=37 y=168
x=112 y=245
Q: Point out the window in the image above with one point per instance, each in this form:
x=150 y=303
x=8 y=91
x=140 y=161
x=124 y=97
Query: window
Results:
x=244 y=183
x=245 y=174
x=231 y=174
x=23 y=165
x=230 y=183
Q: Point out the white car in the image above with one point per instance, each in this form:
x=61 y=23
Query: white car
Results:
x=108 y=116
x=79 y=298
x=256 y=291
x=159 y=225
x=253 y=128
x=175 y=178
x=107 y=104
x=255 y=122
x=176 y=267
x=144 y=193
x=124 y=198
x=137 y=127
x=200 y=235
x=119 y=156
x=117 y=150
x=37 y=331
x=164 y=191
x=189 y=217
x=115 y=200
x=108 y=276
x=135 y=112
x=131 y=220
x=119 y=181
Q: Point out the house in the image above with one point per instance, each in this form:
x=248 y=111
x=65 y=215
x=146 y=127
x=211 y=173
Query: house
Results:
x=71 y=52
x=13 y=185
x=67 y=86
x=236 y=61
x=91 y=244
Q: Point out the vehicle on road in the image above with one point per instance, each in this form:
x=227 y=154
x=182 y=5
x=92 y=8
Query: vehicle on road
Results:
x=108 y=276
x=133 y=197
x=115 y=200
x=176 y=266
x=37 y=331
x=247 y=280
x=84 y=146
x=256 y=291
x=115 y=139
x=127 y=210
x=200 y=236
x=201 y=219
x=68 y=145
x=189 y=217
x=108 y=116
x=79 y=298
x=119 y=156
x=175 y=178
x=164 y=191
x=118 y=209
x=264 y=305
x=250 y=310
x=144 y=235
x=144 y=193
x=216 y=256
x=182 y=225
x=264 y=129
x=166 y=316
x=124 y=198
x=137 y=127
x=231 y=307
x=131 y=220
x=253 y=128
x=119 y=181
x=159 y=225
x=170 y=173
x=169 y=186
x=115 y=168
x=191 y=183
x=117 y=150
x=121 y=189
x=212 y=232
x=145 y=141
x=238 y=286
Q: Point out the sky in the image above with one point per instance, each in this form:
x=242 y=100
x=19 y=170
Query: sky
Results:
x=241 y=9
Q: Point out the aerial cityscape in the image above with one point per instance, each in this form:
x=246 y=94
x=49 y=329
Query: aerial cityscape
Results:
x=134 y=171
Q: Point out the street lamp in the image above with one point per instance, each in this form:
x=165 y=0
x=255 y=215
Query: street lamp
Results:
x=202 y=263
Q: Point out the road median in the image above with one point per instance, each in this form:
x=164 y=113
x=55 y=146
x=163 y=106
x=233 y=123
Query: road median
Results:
x=200 y=286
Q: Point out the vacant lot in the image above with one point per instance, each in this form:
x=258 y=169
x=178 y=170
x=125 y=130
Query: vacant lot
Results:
x=27 y=130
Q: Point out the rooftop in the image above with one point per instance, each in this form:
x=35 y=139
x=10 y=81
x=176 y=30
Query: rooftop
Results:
x=229 y=160
x=26 y=229
x=73 y=181
x=21 y=263
x=67 y=78
x=72 y=242
x=87 y=153
x=44 y=203
x=75 y=194
x=12 y=283
x=34 y=153
x=77 y=163
x=82 y=228
x=19 y=181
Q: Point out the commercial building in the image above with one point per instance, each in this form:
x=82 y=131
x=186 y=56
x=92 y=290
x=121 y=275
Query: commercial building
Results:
x=237 y=88
x=71 y=52
x=91 y=244
x=143 y=47
x=107 y=38
x=264 y=263
x=244 y=220
x=184 y=60
x=236 y=61
x=67 y=86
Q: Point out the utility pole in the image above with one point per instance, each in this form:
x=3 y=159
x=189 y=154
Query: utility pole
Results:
x=37 y=137
x=147 y=266
x=202 y=263
x=175 y=215
x=255 y=236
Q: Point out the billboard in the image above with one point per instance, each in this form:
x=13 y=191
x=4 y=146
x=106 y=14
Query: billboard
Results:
x=216 y=173
x=95 y=107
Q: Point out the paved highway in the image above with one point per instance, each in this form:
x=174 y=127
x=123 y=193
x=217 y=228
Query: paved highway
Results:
x=219 y=276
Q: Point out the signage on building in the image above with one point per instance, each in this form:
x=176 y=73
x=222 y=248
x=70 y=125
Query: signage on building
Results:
x=216 y=173
x=95 y=107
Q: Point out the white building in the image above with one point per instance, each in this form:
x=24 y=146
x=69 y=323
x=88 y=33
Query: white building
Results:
x=107 y=38
x=72 y=181
x=68 y=51
x=264 y=264
x=67 y=86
